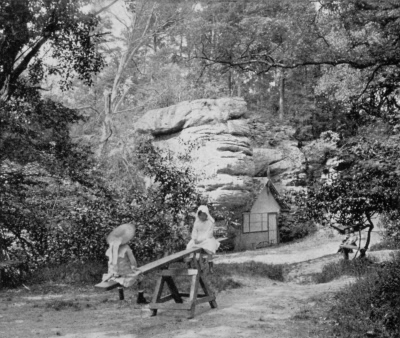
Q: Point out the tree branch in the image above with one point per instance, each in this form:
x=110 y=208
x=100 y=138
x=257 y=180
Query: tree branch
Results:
x=104 y=8
x=25 y=62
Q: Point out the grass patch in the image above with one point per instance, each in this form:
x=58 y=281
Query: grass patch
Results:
x=252 y=269
x=386 y=244
x=221 y=284
x=303 y=314
x=331 y=271
x=223 y=276
x=371 y=304
x=66 y=278
x=59 y=305
x=69 y=273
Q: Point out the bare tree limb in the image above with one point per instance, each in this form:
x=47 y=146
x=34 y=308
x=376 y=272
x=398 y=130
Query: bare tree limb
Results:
x=104 y=8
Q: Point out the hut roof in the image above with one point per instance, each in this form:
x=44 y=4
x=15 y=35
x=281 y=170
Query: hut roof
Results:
x=266 y=182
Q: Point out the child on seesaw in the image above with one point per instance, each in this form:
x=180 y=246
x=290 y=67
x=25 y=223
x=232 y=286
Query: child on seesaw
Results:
x=122 y=265
x=203 y=233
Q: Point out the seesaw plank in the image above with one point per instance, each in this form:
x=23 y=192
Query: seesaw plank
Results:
x=156 y=265
x=168 y=260
x=172 y=258
x=106 y=286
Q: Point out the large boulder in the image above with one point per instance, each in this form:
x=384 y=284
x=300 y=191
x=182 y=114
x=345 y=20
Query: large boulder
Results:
x=222 y=152
x=188 y=114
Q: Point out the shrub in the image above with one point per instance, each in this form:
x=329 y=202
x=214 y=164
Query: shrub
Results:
x=69 y=273
x=386 y=244
x=66 y=222
x=371 y=304
x=296 y=224
x=291 y=229
x=391 y=223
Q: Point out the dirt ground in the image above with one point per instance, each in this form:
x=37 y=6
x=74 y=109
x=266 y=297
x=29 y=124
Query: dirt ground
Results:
x=262 y=308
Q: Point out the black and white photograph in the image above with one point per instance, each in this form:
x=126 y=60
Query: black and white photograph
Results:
x=200 y=168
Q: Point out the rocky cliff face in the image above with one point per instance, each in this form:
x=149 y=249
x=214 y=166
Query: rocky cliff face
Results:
x=276 y=152
x=222 y=153
x=229 y=149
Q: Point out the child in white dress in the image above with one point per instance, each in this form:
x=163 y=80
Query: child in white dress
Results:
x=203 y=233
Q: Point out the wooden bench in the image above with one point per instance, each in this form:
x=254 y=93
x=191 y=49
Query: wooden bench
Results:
x=349 y=246
x=197 y=258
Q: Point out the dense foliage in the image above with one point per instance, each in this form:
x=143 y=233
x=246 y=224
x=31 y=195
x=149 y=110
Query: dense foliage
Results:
x=163 y=211
x=44 y=176
x=370 y=305
x=31 y=29
x=296 y=223
x=328 y=67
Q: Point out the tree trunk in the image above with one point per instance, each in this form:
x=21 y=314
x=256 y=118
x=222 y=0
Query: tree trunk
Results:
x=366 y=246
x=230 y=82
x=239 y=85
x=281 y=95
x=107 y=130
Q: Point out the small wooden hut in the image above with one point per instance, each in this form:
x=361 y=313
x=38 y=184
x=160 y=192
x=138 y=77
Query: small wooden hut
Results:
x=260 y=226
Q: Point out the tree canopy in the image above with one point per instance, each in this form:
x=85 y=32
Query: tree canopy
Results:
x=30 y=31
x=76 y=75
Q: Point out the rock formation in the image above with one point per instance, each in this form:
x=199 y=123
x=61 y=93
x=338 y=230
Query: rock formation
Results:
x=223 y=155
x=276 y=153
x=230 y=150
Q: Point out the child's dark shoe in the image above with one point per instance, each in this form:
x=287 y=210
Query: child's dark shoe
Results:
x=141 y=299
x=211 y=267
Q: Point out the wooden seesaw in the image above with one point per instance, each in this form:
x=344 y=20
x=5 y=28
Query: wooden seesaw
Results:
x=197 y=258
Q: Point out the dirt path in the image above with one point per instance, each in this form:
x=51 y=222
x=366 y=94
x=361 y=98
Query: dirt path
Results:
x=262 y=308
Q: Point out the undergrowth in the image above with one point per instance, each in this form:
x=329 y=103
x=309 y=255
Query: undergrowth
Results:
x=370 y=305
x=69 y=273
x=56 y=279
x=386 y=244
x=331 y=271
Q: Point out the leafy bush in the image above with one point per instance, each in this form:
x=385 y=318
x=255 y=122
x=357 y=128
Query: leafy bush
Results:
x=371 y=304
x=162 y=212
x=391 y=223
x=291 y=230
x=296 y=224
x=58 y=221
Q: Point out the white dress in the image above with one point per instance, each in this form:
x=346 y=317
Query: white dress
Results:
x=125 y=272
x=203 y=233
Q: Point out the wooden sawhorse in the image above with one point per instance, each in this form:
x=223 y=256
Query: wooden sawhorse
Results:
x=197 y=273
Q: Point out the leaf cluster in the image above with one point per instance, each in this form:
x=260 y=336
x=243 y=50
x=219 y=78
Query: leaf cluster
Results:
x=56 y=31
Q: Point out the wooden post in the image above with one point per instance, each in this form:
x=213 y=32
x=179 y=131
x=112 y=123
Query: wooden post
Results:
x=281 y=94
x=197 y=273
x=121 y=293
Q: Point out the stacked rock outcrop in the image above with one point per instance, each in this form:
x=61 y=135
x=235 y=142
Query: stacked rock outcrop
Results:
x=222 y=152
